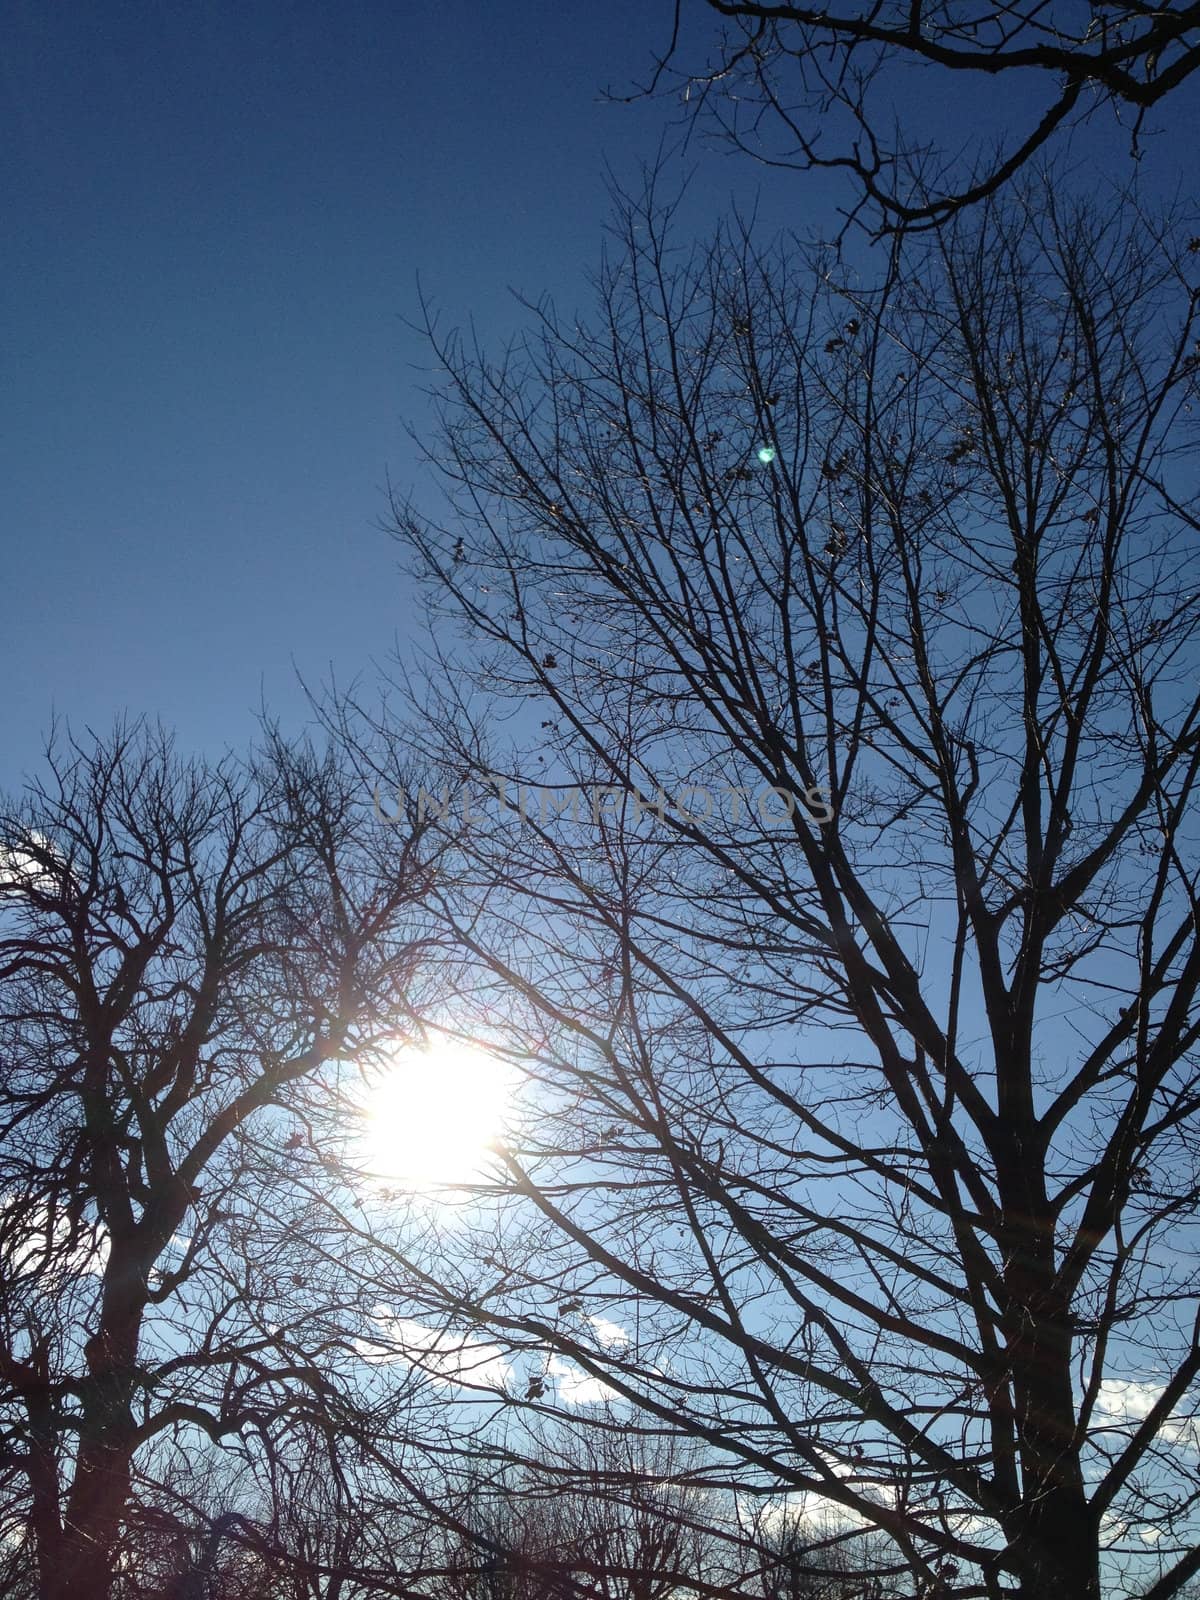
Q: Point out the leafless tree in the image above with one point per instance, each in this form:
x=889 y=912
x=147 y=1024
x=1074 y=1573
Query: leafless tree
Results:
x=604 y=1518
x=193 y=958
x=837 y=87
x=843 y=912
x=799 y=1561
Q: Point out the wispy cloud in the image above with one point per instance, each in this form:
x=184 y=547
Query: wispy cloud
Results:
x=445 y=1357
x=809 y=1512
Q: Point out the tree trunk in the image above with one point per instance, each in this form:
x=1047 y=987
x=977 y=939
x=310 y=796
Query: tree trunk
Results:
x=85 y=1562
x=1053 y=1535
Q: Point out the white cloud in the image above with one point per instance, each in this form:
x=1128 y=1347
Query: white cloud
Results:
x=1124 y=1403
x=819 y=1516
x=24 y=869
x=610 y=1335
x=13 y=1536
x=576 y=1387
x=1112 y=1530
x=811 y=1513
x=37 y=1244
x=1127 y=1400
x=445 y=1357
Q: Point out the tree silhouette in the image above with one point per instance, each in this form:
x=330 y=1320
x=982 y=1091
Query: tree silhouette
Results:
x=805 y=86
x=860 y=1136
x=189 y=955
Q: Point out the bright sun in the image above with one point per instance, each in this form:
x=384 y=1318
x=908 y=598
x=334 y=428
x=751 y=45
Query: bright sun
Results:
x=432 y=1117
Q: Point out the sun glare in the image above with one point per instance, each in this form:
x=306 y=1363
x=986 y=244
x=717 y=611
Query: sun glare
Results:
x=431 y=1119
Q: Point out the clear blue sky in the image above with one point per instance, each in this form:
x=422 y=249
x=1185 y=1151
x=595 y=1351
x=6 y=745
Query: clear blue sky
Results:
x=215 y=215
x=215 y=218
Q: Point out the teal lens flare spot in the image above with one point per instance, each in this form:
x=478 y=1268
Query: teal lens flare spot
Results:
x=766 y=455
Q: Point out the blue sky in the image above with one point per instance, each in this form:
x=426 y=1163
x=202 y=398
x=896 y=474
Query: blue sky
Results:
x=215 y=220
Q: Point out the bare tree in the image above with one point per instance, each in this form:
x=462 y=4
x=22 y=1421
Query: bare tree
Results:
x=193 y=957
x=845 y=920
x=604 y=1518
x=797 y=1561
x=837 y=87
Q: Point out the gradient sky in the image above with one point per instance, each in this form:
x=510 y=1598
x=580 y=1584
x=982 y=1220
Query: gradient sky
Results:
x=215 y=218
